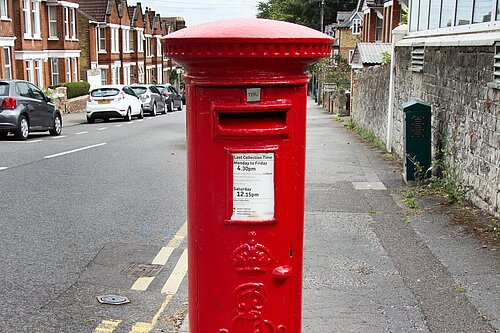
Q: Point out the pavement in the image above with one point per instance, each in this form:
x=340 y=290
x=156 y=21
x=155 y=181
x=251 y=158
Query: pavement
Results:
x=373 y=264
x=75 y=118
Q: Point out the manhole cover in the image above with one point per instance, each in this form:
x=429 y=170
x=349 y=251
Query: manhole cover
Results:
x=113 y=299
x=138 y=269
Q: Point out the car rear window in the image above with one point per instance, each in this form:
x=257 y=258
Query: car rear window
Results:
x=139 y=90
x=4 y=89
x=104 y=92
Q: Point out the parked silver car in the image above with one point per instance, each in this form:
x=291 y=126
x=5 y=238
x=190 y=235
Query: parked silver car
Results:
x=172 y=98
x=151 y=98
x=24 y=109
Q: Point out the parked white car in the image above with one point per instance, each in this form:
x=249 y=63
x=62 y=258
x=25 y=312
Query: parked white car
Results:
x=113 y=101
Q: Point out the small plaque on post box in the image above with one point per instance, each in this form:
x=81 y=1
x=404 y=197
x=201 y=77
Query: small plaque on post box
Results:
x=253 y=186
x=253 y=95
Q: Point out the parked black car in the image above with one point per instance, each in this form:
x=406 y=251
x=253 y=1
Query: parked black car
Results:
x=173 y=99
x=24 y=108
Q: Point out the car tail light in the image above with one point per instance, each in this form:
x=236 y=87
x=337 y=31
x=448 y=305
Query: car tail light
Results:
x=9 y=103
x=121 y=96
x=88 y=99
x=166 y=94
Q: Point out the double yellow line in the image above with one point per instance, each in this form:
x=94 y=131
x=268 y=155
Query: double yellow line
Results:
x=170 y=288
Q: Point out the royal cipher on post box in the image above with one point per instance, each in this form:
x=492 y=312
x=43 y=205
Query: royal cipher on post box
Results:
x=246 y=86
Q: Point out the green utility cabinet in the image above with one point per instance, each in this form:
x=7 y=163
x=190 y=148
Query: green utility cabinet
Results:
x=417 y=139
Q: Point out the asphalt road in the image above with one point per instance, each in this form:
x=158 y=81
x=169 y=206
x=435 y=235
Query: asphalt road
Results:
x=87 y=214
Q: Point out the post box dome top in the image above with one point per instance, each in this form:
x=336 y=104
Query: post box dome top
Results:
x=255 y=38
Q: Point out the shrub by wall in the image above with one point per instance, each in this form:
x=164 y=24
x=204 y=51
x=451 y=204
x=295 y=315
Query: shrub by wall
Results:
x=74 y=89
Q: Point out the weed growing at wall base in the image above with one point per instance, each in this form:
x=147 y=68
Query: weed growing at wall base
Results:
x=366 y=134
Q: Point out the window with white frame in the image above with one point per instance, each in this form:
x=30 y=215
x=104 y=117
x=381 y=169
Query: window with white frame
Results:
x=356 y=26
x=131 y=40
x=7 y=64
x=140 y=73
x=433 y=14
x=38 y=72
x=126 y=40
x=30 y=75
x=115 y=75
x=4 y=13
x=52 y=21
x=66 y=23
x=35 y=18
x=126 y=74
x=115 y=42
x=73 y=23
x=148 y=46
x=68 y=69
x=104 y=76
x=54 y=68
x=378 y=27
x=101 y=32
x=482 y=11
x=158 y=46
x=75 y=69
x=26 y=18
x=159 y=72
x=140 y=40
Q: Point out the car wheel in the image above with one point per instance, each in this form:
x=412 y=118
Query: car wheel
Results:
x=90 y=120
x=153 y=111
x=164 y=108
x=23 y=129
x=141 y=113
x=180 y=106
x=57 y=126
x=171 y=106
x=128 y=116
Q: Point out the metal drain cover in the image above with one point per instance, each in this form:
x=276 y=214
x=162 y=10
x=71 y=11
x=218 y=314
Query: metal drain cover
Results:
x=113 y=299
x=138 y=269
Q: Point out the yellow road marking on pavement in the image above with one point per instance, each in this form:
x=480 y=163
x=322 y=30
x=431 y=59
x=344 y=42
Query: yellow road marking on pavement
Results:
x=142 y=283
x=175 y=279
x=162 y=256
x=147 y=327
x=107 y=326
x=170 y=288
x=141 y=328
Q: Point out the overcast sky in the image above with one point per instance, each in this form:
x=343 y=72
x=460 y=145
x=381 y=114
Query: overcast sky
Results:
x=202 y=11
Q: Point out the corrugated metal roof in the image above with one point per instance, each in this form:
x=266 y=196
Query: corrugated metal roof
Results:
x=372 y=53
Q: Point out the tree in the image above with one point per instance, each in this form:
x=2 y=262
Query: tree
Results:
x=302 y=11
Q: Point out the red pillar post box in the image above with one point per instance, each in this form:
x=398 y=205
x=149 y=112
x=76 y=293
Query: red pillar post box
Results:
x=246 y=121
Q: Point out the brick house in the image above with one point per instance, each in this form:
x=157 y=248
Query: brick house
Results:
x=347 y=32
x=46 y=48
x=380 y=17
x=148 y=47
x=7 y=40
x=137 y=43
x=112 y=23
x=123 y=43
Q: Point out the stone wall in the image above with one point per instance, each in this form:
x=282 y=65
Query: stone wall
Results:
x=77 y=104
x=369 y=99
x=465 y=114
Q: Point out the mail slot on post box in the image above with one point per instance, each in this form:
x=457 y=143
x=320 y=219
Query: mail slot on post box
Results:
x=246 y=121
